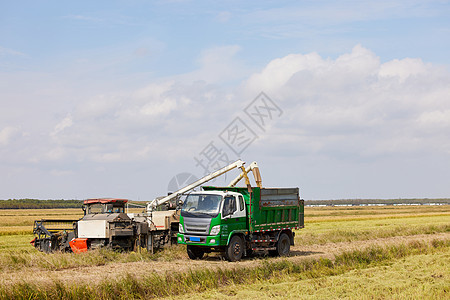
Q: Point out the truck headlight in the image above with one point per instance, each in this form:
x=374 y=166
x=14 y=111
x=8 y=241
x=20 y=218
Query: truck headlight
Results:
x=180 y=228
x=215 y=230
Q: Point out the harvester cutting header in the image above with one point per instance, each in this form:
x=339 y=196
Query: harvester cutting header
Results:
x=235 y=224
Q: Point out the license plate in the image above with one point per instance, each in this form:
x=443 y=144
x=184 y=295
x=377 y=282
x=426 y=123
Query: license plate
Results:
x=194 y=239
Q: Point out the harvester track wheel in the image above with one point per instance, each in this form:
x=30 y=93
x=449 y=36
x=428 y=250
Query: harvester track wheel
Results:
x=195 y=252
x=235 y=249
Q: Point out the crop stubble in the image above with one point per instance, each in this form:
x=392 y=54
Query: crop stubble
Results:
x=328 y=232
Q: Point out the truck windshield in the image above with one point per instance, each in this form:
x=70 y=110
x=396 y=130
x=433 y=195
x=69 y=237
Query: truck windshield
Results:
x=201 y=205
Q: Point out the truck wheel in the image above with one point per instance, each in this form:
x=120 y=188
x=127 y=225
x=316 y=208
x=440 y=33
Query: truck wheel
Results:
x=283 y=245
x=194 y=252
x=235 y=249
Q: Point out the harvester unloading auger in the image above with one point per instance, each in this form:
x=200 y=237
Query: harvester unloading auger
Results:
x=106 y=222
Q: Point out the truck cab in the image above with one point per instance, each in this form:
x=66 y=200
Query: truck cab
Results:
x=236 y=221
x=209 y=213
x=208 y=217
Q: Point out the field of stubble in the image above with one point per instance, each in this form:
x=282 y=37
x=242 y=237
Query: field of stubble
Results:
x=343 y=252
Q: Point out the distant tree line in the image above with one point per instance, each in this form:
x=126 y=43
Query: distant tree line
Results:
x=36 y=204
x=48 y=204
x=358 y=202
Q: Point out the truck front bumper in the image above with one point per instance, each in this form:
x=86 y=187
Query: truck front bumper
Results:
x=198 y=240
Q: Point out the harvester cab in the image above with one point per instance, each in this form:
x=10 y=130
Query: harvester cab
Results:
x=104 y=206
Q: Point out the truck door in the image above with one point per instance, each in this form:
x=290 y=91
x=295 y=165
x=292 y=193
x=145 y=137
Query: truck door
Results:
x=233 y=213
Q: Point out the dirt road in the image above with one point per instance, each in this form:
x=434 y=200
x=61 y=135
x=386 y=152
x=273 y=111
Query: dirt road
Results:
x=96 y=274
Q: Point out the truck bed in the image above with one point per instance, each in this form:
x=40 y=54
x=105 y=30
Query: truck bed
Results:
x=276 y=208
x=271 y=208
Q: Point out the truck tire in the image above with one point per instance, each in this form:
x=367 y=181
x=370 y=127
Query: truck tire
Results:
x=283 y=245
x=235 y=249
x=194 y=252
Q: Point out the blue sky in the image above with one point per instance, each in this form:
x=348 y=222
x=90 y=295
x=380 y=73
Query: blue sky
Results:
x=114 y=98
x=174 y=33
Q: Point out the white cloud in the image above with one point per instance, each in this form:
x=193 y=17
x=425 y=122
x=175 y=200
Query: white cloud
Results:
x=280 y=70
x=438 y=119
x=402 y=69
x=82 y=18
x=330 y=17
x=353 y=104
x=65 y=123
x=357 y=104
x=218 y=65
x=138 y=125
x=351 y=109
x=223 y=16
x=7 y=52
x=55 y=153
x=7 y=134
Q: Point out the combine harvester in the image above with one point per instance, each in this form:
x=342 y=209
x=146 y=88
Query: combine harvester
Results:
x=106 y=222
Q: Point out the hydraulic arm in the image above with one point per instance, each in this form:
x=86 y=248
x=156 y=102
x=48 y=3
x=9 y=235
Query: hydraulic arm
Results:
x=256 y=175
x=153 y=204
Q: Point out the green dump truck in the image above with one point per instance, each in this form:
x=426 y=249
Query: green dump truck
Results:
x=238 y=221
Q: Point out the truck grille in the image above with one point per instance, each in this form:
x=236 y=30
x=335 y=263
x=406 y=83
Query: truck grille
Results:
x=197 y=225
